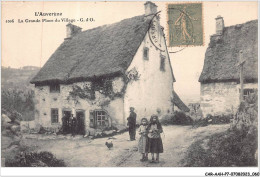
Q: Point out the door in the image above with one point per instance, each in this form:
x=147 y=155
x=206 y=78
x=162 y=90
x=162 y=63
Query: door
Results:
x=65 y=121
x=80 y=115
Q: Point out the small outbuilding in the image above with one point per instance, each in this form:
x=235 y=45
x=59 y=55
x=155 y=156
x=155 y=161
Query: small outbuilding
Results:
x=220 y=77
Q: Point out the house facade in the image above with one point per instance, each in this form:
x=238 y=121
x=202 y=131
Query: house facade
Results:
x=98 y=74
x=220 y=78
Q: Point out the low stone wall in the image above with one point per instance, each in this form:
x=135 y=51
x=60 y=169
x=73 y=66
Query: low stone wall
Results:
x=219 y=98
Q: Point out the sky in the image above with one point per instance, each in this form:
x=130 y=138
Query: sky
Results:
x=33 y=43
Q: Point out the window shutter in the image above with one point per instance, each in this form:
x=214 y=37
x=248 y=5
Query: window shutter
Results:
x=92 y=121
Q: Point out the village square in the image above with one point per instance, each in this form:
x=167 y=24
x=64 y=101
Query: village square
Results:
x=108 y=96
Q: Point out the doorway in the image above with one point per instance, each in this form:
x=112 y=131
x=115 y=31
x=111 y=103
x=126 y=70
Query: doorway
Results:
x=66 y=113
x=80 y=116
x=66 y=121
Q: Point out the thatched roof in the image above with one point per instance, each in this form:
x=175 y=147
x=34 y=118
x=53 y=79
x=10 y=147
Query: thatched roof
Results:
x=105 y=50
x=178 y=102
x=222 y=54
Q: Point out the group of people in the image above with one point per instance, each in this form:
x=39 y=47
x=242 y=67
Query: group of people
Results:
x=150 y=136
x=71 y=124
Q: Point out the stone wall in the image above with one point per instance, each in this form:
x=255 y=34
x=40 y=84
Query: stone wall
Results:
x=221 y=98
x=46 y=100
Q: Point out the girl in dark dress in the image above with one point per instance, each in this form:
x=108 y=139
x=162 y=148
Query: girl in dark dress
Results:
x=154 y=138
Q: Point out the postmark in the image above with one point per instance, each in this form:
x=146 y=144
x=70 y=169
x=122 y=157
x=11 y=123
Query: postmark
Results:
x=185 y=24
x=155 y=32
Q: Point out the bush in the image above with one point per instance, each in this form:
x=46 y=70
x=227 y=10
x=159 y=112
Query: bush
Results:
x=167 y=120
x=178 y=118
x=42 y=130
x=234 y=147
x=200 y=123
x=221 y=119
x=35 y=159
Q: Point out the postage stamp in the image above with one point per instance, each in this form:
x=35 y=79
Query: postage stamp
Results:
x=185 y=24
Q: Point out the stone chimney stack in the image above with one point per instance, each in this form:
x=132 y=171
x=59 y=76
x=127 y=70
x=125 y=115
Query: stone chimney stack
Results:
x=219 y=25
x=150 y=8
x=72 y=30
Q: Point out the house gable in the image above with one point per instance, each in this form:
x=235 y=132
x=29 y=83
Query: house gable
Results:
x=150 y=87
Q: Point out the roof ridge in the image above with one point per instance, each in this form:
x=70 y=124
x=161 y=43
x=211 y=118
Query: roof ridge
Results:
x=242 y=23
x=106 y=25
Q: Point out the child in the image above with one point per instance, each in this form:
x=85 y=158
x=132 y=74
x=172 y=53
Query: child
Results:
x=154 y=138
x=142 y=145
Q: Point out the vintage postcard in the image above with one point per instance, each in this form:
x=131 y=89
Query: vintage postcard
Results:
x=130 y=84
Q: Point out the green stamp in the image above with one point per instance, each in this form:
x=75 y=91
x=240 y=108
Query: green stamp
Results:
x=185 y=24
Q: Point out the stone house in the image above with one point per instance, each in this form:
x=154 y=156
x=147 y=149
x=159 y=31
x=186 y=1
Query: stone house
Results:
x=220 y=77
x=98 y=74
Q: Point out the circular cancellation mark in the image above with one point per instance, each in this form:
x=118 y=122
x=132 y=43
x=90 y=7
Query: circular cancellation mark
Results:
x=153 y=31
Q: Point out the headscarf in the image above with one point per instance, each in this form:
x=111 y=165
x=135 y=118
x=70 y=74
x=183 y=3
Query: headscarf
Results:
x=159 y=126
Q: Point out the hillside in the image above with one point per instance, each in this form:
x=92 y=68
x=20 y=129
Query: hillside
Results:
x=18 y=78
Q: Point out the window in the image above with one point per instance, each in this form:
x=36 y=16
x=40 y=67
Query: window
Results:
x=146 y=53
x=162 y=63
x=247 y=92
x=101 y=118
x=55 y=88
x=54 y=115
x=98 y=119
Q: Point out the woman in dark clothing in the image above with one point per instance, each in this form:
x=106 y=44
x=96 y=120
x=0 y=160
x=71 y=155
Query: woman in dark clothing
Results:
x=154 y=138
x=73 y=123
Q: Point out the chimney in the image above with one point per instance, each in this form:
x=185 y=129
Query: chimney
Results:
x=72 y=30
x=219 y=25
x=150 y=8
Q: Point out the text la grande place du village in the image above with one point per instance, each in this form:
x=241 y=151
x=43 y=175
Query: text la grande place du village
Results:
x=46 y=17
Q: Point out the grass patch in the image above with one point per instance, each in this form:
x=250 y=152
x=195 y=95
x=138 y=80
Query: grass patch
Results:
x=229 y=148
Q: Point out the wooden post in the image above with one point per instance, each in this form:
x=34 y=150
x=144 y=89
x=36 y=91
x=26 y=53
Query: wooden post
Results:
x=241 y=82
x=241 y=65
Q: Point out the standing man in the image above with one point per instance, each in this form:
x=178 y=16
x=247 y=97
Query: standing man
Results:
x=73 y=125
x=64 y=124
x=132 y=124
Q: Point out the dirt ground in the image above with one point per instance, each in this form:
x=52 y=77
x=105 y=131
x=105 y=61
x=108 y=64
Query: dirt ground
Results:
x=84 y=152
